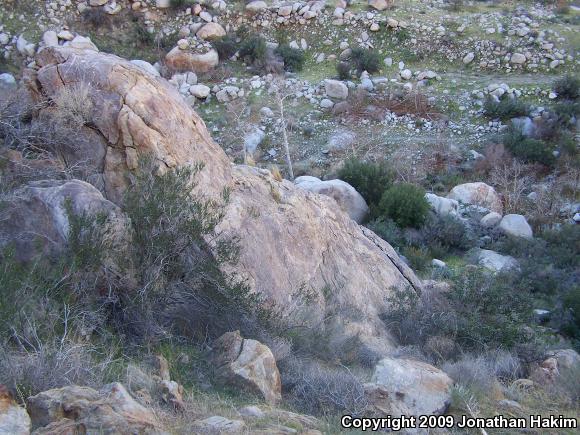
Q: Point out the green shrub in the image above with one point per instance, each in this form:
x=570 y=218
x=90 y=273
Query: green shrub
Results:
x=505 y=109
x=180 y=3
x=343 y=70
x=447 y=232
x=388 y=230
x=365 y=60
x=405 y=204
x=480 y=311
x=571 y=326
x=369 y=179
x=293 y=58
x=226 y=46
x=565 y=111
x=418 y=257
x=253 y=49
x=567 y=87
x=528 y=149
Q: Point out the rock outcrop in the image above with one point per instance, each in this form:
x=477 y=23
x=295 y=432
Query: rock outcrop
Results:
x=247 y=364
x=290 y=239
x=516 y=225
x=77 y=409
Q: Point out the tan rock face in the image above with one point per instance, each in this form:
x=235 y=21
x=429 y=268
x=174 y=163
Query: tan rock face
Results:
x=136 y=116
x=14 y=419
x=211 y=31
x=248 y=364
x=110 y=410
x=291 y=240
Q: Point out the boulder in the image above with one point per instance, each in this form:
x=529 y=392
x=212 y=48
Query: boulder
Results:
x=567 y=358
x=247 y=364
x=133 y=115
x=284 y=232
x=518 y=59
x=14 y=419
x=404 y=386
x=110 y=410
x=336 y=89
x=490 y=220
x=211 y=31
x=346 y=196
x=468 y=58
x=442 y=206
x=185 y=60
x=379 y=5
x=218 y=425
x=495 y=262
x=7 y=82
x=477 y=193
x=38 y=217
x=516 y=225
x=256 y=6
x=199 y=91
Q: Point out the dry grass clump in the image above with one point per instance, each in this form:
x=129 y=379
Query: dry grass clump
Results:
x=73 y=105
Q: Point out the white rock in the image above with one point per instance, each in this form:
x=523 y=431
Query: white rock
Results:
x=490 y=220
x=516 y=225
x=199 y=91
x=495 y=262
x=336 y=89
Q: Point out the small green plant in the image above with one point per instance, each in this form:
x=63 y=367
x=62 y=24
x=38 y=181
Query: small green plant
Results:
x=369 y=179
x=405 y=204
x=180 y=3
x=226 y=46
x=343 y=70
x=366 y=60
x=528 y=149
x=293 y=58
x=253 y=49
x=505 y=109
x=567 y=87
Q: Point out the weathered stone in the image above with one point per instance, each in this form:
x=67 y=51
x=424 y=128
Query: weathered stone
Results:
x=247 y=364
x=479 y=194
x=14 y=419
x=185 y=60
x=404 y=386
x=110 y=410
x=211 y=31
x=516 y=225
x=336 y=89
x=379 y=5
x=346 y=196
x=495 y=262
x=442 y=206
x=490 y=220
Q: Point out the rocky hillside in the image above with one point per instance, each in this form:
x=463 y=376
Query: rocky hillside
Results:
x=258 y=217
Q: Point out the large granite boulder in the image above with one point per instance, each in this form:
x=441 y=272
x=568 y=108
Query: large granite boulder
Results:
x=247 y=364
x=186 y=60
x=291 y=240
x=346 y=196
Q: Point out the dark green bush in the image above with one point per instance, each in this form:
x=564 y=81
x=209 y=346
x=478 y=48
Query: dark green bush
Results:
x=528 y=149
x=567 y=87
x=388 y=230
x=343 y=70
x=253 y=49
x=566 y=111
x=226 y=46
x=418 y=257
x=505 y=109
x=480 y=311
x=447 y=232
x=293 y=58
x=365 y=60
x=405 y=204
x=369 y=179
x=181 y=3
x=571 y=326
